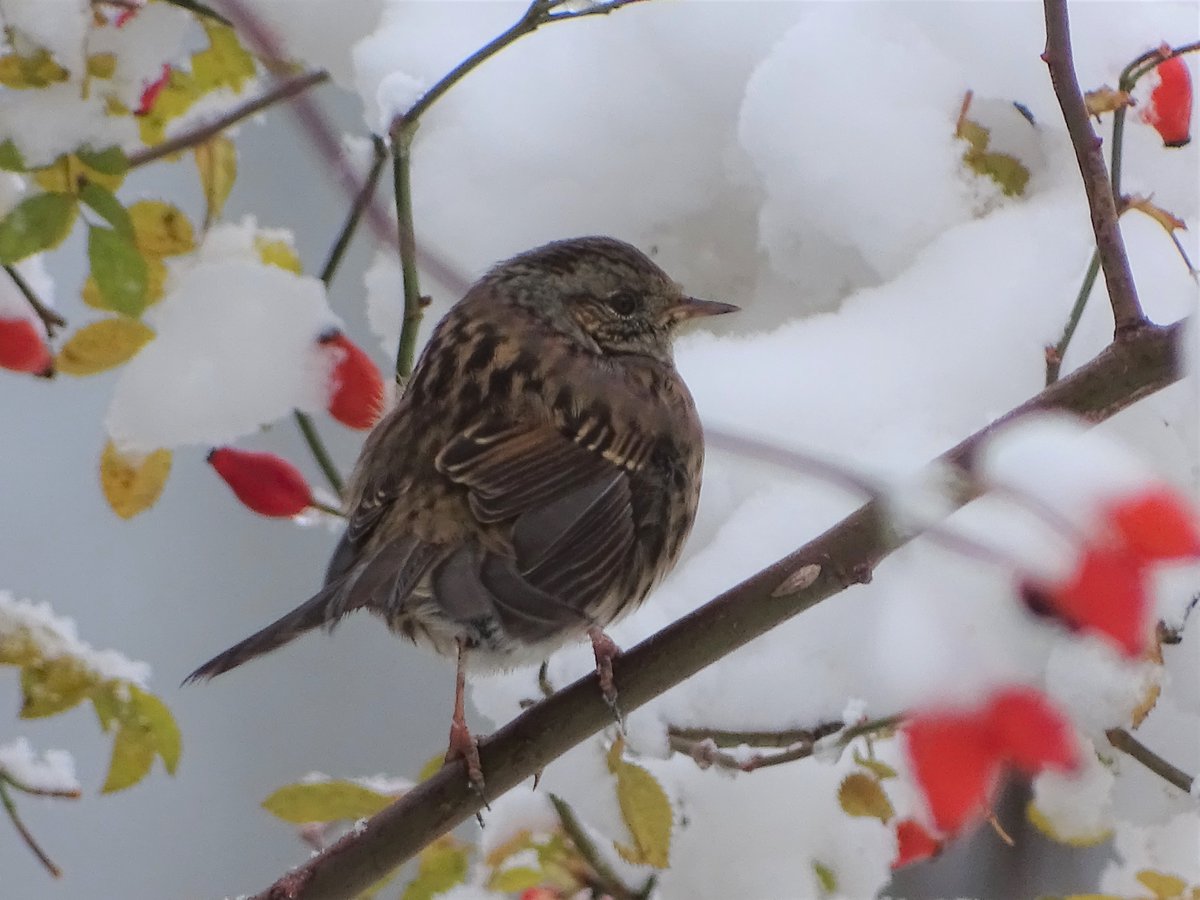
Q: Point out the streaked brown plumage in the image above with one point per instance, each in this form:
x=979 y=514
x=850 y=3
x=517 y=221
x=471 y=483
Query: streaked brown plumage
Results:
x=539 y=475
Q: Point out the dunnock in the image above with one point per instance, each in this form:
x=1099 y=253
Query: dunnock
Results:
x=536 y=479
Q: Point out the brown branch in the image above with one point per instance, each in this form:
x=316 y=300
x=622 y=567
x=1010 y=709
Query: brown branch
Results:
x=1144 y=361
x=50 y=319
x=781 y=738
x=604 y=877
x=1122 y=293
x=282 y=90
x=1131 y=746
x=26 y=835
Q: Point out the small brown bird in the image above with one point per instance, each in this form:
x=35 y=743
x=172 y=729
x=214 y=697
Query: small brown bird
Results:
x=537 y=478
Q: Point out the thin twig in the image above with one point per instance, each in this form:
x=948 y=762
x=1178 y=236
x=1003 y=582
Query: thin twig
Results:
x=403 y=129
x=606 y=879
x=11 y=808
x=1122 y=293
x=51 y=319
x=1144 y=362
x=1056 y=352
x=1131 y=746
x=194 y=6
x=362 y=200
x=282 y=90
x=782 y=738
x=320 y=452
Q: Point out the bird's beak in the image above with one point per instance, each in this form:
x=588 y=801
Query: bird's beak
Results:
x=692 y=308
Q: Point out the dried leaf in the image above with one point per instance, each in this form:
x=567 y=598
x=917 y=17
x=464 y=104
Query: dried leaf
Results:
x=325 y=801
x=102 y=345
x=133 y=484
x=1105 y=99
x=645 y=809
x=861 y=795
x=37 y=223
x=216 y=160
x=1168 y=220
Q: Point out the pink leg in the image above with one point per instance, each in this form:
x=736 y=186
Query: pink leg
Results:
x=462 y=743
x=606 y=651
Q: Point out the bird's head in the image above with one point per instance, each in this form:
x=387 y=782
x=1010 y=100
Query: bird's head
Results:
x=603 y=293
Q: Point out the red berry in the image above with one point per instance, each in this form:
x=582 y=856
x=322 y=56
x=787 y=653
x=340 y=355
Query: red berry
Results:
x=151 y=91
x=913 y=843
x=1170 y=108
x=956 y=762
x=1031 y=733
x=356 y=396
x=23 y=349
x=1157 y=525
x=264 y=482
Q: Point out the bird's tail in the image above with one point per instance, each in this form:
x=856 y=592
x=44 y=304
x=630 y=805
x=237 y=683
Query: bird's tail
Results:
x=321 y=609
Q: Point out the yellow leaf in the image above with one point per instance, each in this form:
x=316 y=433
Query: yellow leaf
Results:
x=325 y=801
x=1154 y=689
x=442 y=865
x=645 y=809
x=101 y=346
x=515 y=880
x=37 y=70
x=861 y=795
x=1164 y=887
x=432 y=766
x=132 y=757
x=825 y=877
x=161 y=228
x=132 y=484
x=102 y=65
x=216 y=160
x=68 y=174
x=179 y=93
x=158 y=725
x=225 y=63
x=278 y=253
x=1007 y=171
x=1168 y=220
x=54 y=685
x=1043 y=824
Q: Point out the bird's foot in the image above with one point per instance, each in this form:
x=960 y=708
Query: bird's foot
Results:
x=606 y=650
x=464 y=746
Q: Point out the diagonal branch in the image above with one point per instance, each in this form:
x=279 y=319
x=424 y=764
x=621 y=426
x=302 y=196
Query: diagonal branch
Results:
x=1144 y=361
x=1122 y=294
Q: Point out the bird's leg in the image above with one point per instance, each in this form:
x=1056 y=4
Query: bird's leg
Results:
x=606 y=651
x=462 y=743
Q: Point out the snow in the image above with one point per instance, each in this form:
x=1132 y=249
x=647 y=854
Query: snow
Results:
x=53 y=770
x=1078 y=805
x=55 y=636
x=236 y=348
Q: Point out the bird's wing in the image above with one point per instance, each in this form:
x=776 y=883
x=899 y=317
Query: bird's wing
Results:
x=570 y=509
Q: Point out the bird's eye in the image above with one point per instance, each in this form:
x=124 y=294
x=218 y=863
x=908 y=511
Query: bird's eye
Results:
x=623 y=303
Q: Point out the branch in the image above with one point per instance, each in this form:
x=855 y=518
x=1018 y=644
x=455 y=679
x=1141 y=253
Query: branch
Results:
x=1122 y=294
x=1144 y=361
x=10 y=807
x=282 y=90
x=1128 y=744
x=605 y=878
x=50 y=319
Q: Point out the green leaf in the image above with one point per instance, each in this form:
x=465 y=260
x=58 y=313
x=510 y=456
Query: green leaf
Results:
x=53 y=686
x=111 y=160
x=645 y=809
x=515 y=880
x=325 y=801
x=11 y=159
x=825 y=877
x=154 y=716
x=119 y=270
x=443 y=864
x=132 y=757
x=106 y=204
x=35 y=224
x=147 y=729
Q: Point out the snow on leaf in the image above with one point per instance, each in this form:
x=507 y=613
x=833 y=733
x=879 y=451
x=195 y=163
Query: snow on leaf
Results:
x=861 y=795
x=1042 y=823
x=132 y=484
x=645 y=809
x=102 y=345
x=54 y=685
x=325 y=801
x=37 y=223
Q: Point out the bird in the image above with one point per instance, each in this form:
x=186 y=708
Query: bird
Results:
x=537 y=477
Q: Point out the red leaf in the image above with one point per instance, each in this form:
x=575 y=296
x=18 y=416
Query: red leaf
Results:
x=1157 y=525
x=1170 y=107
x=264 y=482
x=1030 y=732
x=1107 y=594
x=23 y=349
x=956 y=762
x=151 y=91
x=356 y=399
x=913 y=843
